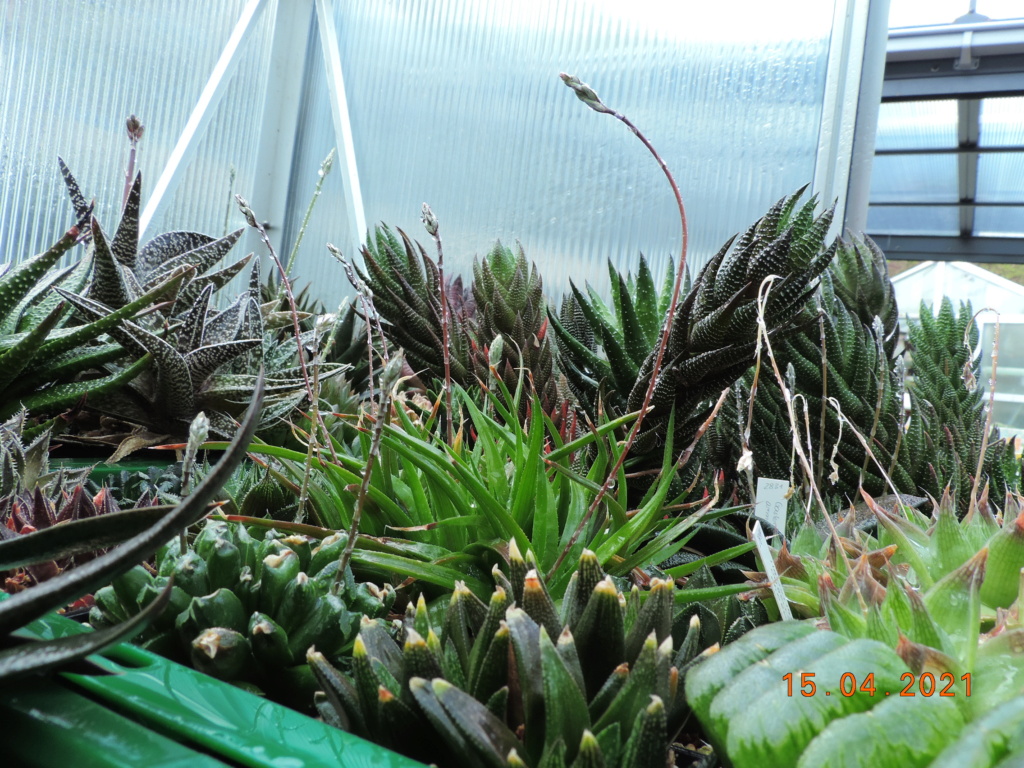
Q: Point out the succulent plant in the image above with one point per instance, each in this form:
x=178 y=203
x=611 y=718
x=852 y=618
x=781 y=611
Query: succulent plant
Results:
x=123 y=269
x=510 y=304
x=518 y=681
x=910 y=548
x=193 y=368
x=714 y=332
x=909 y=617
x=31 y=511
x=49 y=363
x=626 y=332
x=246 y=610
x=132 y=535
x=948 y=409
x=406 y=293
x=857 y=372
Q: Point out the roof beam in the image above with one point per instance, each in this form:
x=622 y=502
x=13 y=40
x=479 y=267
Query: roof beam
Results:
x=995 y=250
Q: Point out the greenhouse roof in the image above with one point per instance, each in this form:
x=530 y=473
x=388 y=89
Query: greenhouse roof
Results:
x=948 y=175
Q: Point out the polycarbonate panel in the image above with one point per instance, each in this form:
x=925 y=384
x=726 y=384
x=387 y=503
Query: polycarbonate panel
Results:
x=913 y=220
x=459 y=104
x=1000 y=222
x=224 y=163
x=914 y=178
x=1002 y=122
x=70 y=73
x=916 y=125
x=1001 y=177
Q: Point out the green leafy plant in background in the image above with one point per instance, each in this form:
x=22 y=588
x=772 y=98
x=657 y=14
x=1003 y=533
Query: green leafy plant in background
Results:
x=133 y=535
x=443 y=513
x=203 y=358
x=245 y=609
x=948 y=409
x=519 y=681
x=626 y=332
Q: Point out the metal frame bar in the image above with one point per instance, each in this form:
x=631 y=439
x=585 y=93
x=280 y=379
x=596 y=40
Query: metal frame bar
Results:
x=216 y=85
x=968 y=132
x=951 y=150
x=995 y=250
x=283 y=104
x=843 y=82
x=342 y=124
x=948 y=204
x=872 y=78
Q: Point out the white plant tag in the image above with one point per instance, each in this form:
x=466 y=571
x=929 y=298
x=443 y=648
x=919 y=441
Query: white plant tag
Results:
x=771 y=501
x=773 y=575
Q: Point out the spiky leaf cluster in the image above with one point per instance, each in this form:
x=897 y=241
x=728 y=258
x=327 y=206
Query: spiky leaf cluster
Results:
x=520 y=681
x=836 y=357
x=47 y=361
x=187 y=340
x=860 y=279
x=949 y=407
x=509 y=299
x=714 y=333
x=245 y=609
x=406 y=293
x=29 y=511
x=601 y=348
x=124 y=269
x=206 y=362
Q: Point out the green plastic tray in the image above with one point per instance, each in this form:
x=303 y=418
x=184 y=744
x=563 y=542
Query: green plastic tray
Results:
x=153 y=712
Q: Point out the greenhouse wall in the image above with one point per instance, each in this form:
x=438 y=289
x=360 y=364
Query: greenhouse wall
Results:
x=455 y=103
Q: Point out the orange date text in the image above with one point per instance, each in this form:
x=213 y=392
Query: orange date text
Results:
x=925 y=684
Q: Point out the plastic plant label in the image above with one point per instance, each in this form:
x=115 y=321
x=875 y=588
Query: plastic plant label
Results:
x=771 y=501
x=769 y=569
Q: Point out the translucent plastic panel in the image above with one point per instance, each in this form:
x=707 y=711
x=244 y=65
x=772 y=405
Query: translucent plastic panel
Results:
x=224 y=163
x=914 y=178
x=69 y=76
x=913 y=220
x=1002 y=122
x=916 y=125
x=1009 y=410
x=458 y=103
x=1001 y=177
x=917 y=13
x=1000 y=222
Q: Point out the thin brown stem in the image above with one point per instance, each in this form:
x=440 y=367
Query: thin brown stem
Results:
x=430 y=222
x=590 y=98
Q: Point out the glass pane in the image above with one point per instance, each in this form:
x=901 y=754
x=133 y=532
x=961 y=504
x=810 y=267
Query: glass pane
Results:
x=914 y=179
x=915 y=13
x=71 y=77
x=913 y=220
x=916 y=125
x=1009 y=408
x=1000 y=222
x=1001 y=178
x=1002 y=122
x=458 y=103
